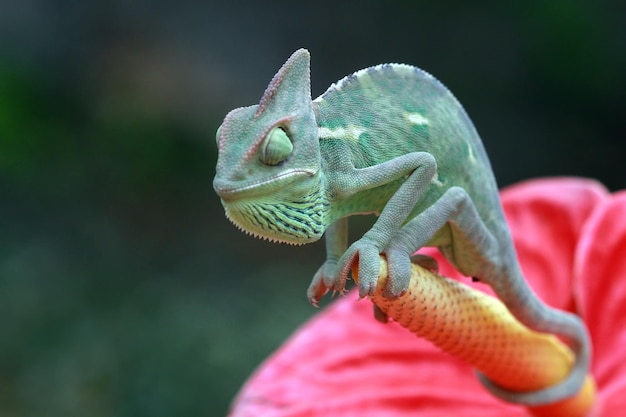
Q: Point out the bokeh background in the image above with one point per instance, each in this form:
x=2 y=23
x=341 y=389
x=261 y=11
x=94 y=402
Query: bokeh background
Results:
x=123 y=289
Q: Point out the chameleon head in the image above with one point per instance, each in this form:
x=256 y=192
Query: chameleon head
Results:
x=268 y=169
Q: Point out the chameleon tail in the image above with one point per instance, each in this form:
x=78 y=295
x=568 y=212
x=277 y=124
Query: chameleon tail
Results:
x=479 y=330
x=524 y=305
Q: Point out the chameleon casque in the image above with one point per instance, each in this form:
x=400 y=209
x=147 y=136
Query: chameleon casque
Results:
x=389 y=140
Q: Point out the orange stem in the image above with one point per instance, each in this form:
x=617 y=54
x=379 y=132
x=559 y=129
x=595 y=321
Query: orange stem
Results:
x=479 y=330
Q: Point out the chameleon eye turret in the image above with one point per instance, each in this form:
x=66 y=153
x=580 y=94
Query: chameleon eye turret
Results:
x=276 y=147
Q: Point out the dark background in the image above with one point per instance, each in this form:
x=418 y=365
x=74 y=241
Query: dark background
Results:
x=123 y=289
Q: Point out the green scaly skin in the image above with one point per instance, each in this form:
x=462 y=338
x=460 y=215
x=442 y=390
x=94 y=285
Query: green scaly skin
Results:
x=389 y=140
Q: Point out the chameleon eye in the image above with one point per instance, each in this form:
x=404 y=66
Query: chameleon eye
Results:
x=276 y=147
x=217 y=134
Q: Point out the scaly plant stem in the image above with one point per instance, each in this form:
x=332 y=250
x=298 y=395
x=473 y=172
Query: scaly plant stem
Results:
x=479 y=330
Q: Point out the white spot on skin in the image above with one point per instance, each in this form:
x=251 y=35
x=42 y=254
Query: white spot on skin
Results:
x=416 y=119
x=470 y=153
x=351 y=132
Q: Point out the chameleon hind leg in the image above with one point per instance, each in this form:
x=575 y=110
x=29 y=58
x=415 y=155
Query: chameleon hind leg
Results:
x=464 y=239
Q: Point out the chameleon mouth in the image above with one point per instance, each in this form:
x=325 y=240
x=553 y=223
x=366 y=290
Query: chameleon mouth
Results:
x=228 y=190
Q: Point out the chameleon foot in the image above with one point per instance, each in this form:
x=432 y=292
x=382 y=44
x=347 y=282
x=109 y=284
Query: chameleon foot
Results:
x=324 y=279
x=367 y=255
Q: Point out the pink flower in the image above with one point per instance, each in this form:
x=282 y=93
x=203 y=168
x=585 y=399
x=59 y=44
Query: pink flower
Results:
x=571 y=239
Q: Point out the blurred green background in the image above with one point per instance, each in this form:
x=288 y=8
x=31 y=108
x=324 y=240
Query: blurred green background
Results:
x=123 y=289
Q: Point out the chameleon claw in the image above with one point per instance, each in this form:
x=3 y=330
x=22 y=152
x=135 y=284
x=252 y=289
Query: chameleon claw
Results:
x=340 y=292
x=399 y=272
x=315 y=292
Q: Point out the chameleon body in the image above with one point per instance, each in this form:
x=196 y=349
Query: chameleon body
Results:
x=390 y=140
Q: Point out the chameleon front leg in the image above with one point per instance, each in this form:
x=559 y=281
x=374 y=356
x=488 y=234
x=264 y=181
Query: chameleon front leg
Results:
x=419 y=168
x=475 y=251
x=336 y=243
x=336 y=237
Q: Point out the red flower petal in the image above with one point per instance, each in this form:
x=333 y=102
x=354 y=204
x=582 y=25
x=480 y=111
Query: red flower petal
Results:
x=344 y=363
x=546 y=218
x=601 y=283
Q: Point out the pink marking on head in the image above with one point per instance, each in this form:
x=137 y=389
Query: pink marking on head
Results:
x=269 y=93
x=273 y=86
x=225 y=125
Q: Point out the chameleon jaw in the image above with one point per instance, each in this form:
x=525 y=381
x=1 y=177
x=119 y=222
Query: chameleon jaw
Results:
x=230 y=190
x=294 y=212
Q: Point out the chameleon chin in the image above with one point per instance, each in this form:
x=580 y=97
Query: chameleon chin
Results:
x=388 y=139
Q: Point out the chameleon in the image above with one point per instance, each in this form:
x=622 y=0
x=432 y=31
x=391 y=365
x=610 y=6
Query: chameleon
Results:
x=393 y=141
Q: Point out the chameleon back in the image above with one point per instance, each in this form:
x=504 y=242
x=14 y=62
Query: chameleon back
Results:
x=389 y=110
